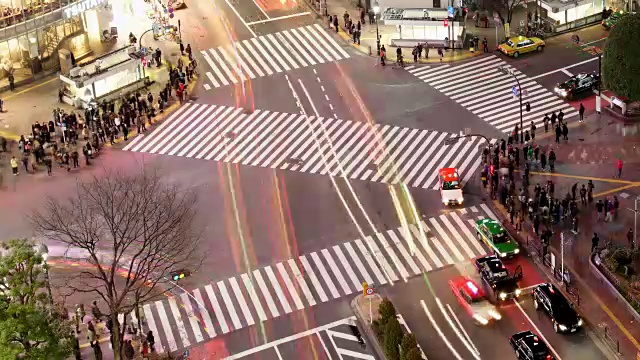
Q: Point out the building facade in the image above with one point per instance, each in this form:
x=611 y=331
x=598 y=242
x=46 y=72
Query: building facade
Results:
x=32 y=31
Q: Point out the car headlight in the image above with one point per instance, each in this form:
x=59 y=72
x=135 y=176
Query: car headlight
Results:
x=480 y=319
x=580 y=322
x=460 y=200
x=516 y=251
x=494 y=314
x=518 y=292
x=562 y=327
x=502 y=254
x=503 y=296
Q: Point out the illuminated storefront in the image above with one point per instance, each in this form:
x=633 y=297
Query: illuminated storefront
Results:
x=572 y=14
x=32 y=31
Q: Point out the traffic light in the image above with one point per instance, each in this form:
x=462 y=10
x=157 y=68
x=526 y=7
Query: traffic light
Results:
x=180 y=274
x=527 y=106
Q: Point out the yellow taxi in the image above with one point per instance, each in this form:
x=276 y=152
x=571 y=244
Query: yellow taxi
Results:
x=518 y=45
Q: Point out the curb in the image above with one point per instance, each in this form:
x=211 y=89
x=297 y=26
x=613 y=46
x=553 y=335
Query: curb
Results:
x=600 y=341
x=595 y=269
x=364 y=327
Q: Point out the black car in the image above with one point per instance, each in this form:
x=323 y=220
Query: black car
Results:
x=548 y=298
x=577 y=84
x=530 y=347
x=496 y=276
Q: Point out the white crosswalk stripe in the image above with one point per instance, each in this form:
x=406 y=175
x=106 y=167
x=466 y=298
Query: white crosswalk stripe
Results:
x=331 y=273
x=479 y=87
x=285 y=141
x=269 y=54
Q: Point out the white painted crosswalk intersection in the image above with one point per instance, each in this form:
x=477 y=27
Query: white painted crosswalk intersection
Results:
x=355 y=150
x=270 y=54
x=481 y=88
x=313 y=279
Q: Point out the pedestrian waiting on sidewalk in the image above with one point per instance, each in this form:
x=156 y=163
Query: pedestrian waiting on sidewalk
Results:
x=595 y=240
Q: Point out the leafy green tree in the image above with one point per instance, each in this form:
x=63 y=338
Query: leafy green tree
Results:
x=408 y=344
x=413 y=354
x=621 y=60
x=392 y=338
x=29 y=326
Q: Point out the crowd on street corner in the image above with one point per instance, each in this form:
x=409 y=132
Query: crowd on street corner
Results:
x=91 y=328
x=60 y=141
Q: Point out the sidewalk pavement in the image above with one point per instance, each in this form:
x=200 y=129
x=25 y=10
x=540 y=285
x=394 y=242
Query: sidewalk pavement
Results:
x=606 y=314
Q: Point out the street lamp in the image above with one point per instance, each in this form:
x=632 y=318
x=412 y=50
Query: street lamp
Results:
x=45 y=254
x=508 y=71
x=376 y=11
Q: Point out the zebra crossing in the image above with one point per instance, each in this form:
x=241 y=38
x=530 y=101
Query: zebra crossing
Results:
x=481 y=88
x=356 y=150
x=311 y=279
x=270 y=54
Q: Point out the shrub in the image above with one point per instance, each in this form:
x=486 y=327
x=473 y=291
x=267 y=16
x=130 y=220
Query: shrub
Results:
x=387 y=312
x=408 y=344
x=392 y=338
x=378 y=330
x=413 y=354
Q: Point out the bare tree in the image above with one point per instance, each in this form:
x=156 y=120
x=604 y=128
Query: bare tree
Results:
x=136 y=229
x=505 y=7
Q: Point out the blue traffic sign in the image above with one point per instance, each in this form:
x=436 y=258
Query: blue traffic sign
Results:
x=514 y=90
x=450 y=10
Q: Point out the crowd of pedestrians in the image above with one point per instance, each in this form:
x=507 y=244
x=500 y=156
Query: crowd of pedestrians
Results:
x=67 y=137
x=98 y=323
x=540 y=205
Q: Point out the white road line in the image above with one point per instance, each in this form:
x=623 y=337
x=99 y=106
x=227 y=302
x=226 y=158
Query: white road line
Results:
x=372 y=246
x=289 y=285
x=555 y=353
x=435 y=326
x=204 y=313
x=457 y=236
x=251 y=290
x=447 y=239
x=336 y=271
x=240 y=17
x=182 y=330
x=151 y=324
x=217 y=310
x=193 y=319
x=345 y=264
x=392 y=254
x=231 y=310
x=371 y=262
x=423 y=261
x=324 y=346
x=287 y=339
x=472 y=239
x=314 y=279
x=278 y=18
x=325 y=275
x=403 y=251
x=276 y=286
x=564 y=68
x=436 y=242
x=354 y=354
x=171 y=341
x=488 y=211
x=301 y=281
x=358 y=263
x=264 y=289
x=243 y=303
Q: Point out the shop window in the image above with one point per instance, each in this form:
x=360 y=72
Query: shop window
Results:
x=5 y=59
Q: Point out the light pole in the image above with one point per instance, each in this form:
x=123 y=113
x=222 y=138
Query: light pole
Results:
x=376 y=10
x=45 y=254
x=507 y=71
x=635 y=220
x=599 y=97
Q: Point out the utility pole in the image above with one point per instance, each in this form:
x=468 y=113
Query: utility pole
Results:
x=635 y=221
x=599 y=97
x=507 y=71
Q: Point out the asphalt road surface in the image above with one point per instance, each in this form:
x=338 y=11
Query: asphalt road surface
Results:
x=287 y=245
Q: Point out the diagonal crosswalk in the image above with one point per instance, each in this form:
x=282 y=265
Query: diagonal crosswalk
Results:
x=479 y=87
x=303 y=282
x=356 y=150
x=270 y=54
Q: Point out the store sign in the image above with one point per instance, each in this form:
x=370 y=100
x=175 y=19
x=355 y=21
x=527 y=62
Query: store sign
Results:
x=80 y=7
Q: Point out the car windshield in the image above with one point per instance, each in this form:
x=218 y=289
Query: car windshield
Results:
x=560 y=306
x=478 y=299
x=450 y=185
x=510 y=43
x=571 y=82
x=500 y=238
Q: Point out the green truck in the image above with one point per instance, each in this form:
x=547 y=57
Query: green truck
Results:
x=497 y=238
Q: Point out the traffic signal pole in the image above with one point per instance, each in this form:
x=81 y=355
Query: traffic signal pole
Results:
x=599 y=97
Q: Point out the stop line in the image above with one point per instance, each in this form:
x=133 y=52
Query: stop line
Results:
x=295 y=142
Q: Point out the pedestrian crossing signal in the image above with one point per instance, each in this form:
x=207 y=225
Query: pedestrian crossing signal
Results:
x=178 y=275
